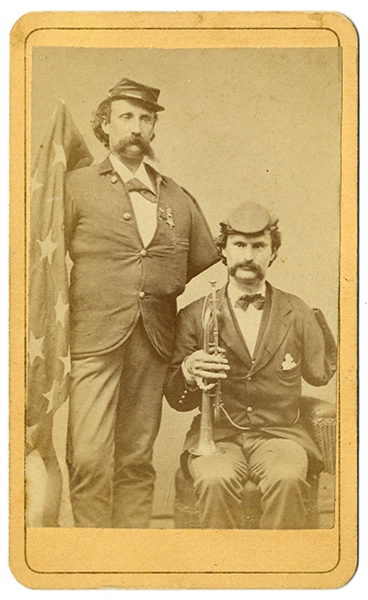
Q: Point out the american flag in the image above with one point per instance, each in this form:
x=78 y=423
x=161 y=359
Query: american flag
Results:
x=62 y=150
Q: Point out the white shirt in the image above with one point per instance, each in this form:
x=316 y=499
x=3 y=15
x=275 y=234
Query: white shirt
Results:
x=144 y=210
x=248 y=320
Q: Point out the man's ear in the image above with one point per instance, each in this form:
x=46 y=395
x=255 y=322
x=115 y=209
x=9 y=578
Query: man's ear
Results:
x=105 y=125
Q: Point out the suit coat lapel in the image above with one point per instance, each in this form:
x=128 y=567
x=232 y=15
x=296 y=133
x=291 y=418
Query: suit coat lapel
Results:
x=279 y=322
x=229 y=329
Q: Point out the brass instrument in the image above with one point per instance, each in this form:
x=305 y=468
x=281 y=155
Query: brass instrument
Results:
x=211 y=399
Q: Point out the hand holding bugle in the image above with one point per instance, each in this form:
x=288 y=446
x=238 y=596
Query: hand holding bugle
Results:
x=209 y=366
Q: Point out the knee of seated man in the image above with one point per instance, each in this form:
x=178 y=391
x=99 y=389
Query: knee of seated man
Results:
x=288 y=473
x=290 y=460
x=216 y=477
x=287 y=479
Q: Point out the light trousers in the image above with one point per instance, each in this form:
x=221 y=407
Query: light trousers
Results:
x=278 y=466
x=114 y=418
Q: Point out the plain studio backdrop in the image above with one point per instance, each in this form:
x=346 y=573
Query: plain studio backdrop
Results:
x=240 y=124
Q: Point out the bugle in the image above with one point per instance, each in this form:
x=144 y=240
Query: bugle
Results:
x=211 y=398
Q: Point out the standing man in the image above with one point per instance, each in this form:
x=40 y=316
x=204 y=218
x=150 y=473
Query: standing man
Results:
x=269 y=340
x=135 y=238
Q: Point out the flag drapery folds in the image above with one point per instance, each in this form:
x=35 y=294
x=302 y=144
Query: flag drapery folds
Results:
x=63 y=149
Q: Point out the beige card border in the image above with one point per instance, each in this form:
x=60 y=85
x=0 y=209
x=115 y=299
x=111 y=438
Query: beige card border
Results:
x=77 y=558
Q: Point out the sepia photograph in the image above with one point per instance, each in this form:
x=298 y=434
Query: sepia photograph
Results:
x=253 y=135
x=184 y=249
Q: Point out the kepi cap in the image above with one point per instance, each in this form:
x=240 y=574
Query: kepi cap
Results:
x=249 y=218
x=131 y=90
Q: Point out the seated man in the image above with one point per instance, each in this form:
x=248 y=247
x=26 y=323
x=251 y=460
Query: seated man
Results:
x=268 y=341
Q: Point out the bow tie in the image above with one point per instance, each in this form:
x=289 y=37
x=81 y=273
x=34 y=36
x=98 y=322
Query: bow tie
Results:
x=134 y=185
x=257 y=300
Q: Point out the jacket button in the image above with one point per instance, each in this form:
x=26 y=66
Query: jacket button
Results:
x=142 y=294
x=249 y=379
x=143 y=252
x=114 y=179
x=249 y=409
x=127 y=216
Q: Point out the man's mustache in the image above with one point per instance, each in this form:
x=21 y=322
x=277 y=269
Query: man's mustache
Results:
x=250 y=265
x=134 y=140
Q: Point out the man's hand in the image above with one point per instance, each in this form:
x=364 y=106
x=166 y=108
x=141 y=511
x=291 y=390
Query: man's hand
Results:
x=205 y=369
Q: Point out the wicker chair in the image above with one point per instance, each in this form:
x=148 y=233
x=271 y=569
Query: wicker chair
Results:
x=319 y=418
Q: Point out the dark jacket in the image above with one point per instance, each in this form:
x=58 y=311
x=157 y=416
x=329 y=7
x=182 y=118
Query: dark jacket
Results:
x=260 y=394
x=114 y=278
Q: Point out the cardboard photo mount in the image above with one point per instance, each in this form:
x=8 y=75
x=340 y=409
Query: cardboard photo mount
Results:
x=72 y=558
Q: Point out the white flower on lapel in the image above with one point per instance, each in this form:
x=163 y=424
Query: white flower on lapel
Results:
x=288 y=363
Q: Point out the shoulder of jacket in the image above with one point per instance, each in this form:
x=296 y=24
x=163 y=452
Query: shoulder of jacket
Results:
x=171 y=182
x=190 y=196
x=83 y=173
x=295 y=302
x=193 y=309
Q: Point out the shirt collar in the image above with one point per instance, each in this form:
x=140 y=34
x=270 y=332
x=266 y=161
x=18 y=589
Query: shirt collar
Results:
x=234 y=293
x=126 y=175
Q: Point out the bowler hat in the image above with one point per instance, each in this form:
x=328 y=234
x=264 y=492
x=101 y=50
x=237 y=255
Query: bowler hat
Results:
x=131 y=90
x=249 y=218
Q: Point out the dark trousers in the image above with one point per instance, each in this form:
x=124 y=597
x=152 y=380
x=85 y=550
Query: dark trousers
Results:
x=114 y=418
x=279 y=466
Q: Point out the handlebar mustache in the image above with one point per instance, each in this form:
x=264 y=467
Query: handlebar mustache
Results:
x=245 y=263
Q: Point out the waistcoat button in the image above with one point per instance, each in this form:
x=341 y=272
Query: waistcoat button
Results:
x=114 y=179
x=249 y=409
x=127 y=216
x=143 y=252
x=141 y=294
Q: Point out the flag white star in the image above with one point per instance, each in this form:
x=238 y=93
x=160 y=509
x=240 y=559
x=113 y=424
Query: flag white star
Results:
x=35 y=185
x=35 y=347
x=60 y=309
x=47 y=248
x=53 y=199
x=29 y=432
x=50 y=397
x=59 y=154
x=66 y=362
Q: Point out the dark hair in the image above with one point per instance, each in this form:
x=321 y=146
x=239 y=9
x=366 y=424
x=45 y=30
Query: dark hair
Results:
x=225 y=231
x=103 y=112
